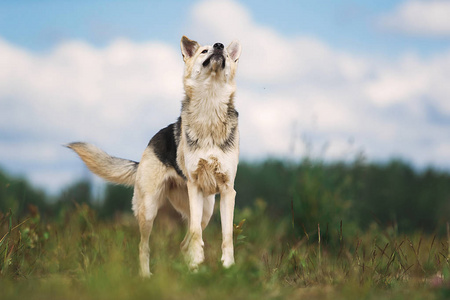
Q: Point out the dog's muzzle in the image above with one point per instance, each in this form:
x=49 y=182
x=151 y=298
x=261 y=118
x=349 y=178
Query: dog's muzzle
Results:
x=217 y=58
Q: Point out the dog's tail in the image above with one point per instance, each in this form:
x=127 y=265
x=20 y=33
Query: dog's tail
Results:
x=114 y=169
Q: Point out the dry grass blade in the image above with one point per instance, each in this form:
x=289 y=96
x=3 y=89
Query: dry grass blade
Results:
x=12 y=229
x=416 y=253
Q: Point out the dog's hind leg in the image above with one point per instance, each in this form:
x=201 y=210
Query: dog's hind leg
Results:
x=179 y=199
x=149 y=195
x=208 y=208
x=145 y=227
x=146 y=216
x=147 y=199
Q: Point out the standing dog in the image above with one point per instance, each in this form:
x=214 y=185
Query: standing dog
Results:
x=189 y=161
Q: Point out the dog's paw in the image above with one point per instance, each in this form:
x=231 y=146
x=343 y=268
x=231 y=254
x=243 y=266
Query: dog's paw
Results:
x=146 y=274
x=227 y=255
x=195 y=254
x=195 y=259
x=193 y=268
x=227 y=261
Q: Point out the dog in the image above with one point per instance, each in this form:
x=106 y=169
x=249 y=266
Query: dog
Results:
x=189 y=161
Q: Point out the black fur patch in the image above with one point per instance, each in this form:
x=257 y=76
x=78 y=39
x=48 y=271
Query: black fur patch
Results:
x=229 y=142
x=164 y=145
x=233 y=116
x=207 y=61
x=193 y=144
x=177 y=131
x=232 y=113
x=217 y=55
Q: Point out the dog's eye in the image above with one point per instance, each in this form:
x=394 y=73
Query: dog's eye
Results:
x=204 y=51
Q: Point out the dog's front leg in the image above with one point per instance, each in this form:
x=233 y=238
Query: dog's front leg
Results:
x=226 y=215
x=195 y=255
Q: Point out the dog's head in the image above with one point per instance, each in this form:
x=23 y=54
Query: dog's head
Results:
x=209 y=63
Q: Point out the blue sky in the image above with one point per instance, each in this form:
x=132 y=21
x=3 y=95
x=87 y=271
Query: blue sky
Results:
x=325 y=78
x=349 y=25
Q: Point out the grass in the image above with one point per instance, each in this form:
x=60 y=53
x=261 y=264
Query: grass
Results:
x=79 y=256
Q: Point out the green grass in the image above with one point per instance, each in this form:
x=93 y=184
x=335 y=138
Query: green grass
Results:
x=80 y=256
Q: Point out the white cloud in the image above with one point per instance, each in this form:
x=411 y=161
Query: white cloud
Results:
x=116 y=97
x=424 y=18
x=332 y=95
x=80 y=89
x=267 y=56
x=407 y=79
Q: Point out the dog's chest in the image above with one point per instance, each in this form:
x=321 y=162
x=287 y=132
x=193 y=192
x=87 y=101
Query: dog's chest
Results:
x=209 y=141
x=205 y=133
x=209 y=124
x=211 y=169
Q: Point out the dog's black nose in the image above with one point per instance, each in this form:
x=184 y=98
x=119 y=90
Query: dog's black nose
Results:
x=218 y=46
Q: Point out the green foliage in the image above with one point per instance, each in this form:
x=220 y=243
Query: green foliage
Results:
x=310 y=230
x=79 y=192
x=17 y=194
x=117 y=200
x=84 y=257
x=395 y=194
x=308 y=193
x=358 y=194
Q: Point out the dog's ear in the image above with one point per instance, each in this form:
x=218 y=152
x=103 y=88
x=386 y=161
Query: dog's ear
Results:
x=188 y=47
x=234 y=50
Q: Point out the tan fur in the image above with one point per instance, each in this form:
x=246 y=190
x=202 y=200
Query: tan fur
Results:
x=213 y=130
x=208 y=176
x=113 y=169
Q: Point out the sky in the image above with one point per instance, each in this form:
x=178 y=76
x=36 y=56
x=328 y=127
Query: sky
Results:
x=328 y=79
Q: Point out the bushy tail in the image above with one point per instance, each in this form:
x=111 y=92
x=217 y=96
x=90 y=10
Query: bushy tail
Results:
x=114 y=169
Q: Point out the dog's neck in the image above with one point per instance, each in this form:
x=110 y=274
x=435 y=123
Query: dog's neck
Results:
x=208 y=114
x=209 y=102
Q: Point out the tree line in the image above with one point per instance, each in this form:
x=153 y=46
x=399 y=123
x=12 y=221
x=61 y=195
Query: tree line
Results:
x=306 y=193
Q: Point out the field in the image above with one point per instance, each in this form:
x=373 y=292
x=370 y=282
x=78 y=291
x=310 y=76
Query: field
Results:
x=78 y=255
